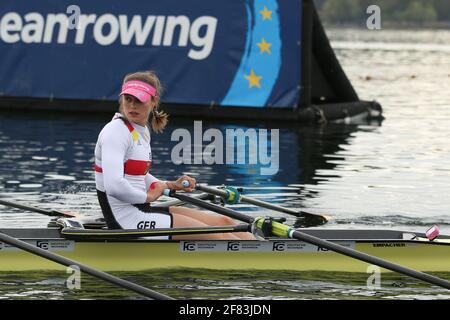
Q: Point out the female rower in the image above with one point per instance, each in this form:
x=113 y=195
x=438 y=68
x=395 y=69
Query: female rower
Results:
x=125 y=188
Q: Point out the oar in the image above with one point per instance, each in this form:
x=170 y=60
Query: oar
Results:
x=176 y=202
x=51 y=213
x=284 y=231
x=233 y=196
x=93 y=272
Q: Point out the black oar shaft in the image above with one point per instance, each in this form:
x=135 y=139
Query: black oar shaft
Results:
x=370 y=259
x=21 y=206
x=264 y=204
x=176 y=202
x=209 y=206
x=256 y=202
x=321 y=243
x=51 y=213
x=93 y=272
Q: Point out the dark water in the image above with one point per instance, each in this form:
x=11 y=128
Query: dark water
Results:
x=391 y=175
x=47 y=162
x=201 y=284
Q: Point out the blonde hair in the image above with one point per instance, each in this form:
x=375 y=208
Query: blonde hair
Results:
x=158 y=119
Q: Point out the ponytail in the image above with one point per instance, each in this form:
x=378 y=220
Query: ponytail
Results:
x=158 y=120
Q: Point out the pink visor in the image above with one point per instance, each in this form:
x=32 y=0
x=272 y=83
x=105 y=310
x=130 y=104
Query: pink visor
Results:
x=138 y=89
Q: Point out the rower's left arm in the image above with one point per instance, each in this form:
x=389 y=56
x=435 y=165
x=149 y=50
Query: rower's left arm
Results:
x=149 y=179
x=175 y=185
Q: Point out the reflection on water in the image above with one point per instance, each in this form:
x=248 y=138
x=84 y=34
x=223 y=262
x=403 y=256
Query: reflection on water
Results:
x=206 y=284
x=398 y=174
x=47 y=162
x=394 y=175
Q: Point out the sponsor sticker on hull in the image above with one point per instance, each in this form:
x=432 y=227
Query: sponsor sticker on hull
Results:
x=49 y=245
x=256 y=246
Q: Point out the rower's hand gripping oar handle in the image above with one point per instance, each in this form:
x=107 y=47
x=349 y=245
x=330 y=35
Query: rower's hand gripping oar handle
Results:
x=169 y=192
x=185 y=183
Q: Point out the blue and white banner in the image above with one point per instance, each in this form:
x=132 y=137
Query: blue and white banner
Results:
x=225 y=52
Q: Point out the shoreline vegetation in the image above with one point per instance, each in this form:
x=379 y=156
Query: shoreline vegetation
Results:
x=403 y=14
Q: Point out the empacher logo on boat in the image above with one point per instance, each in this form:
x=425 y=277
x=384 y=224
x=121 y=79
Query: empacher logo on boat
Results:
x=388 y=245
x=108 y=29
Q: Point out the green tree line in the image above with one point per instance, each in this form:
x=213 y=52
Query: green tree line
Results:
x=394 y=11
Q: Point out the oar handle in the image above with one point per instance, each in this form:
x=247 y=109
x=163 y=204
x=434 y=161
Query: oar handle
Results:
x=168 y=192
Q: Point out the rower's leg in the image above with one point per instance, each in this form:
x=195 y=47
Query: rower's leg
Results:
x=210 y=219
x=180 y=221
